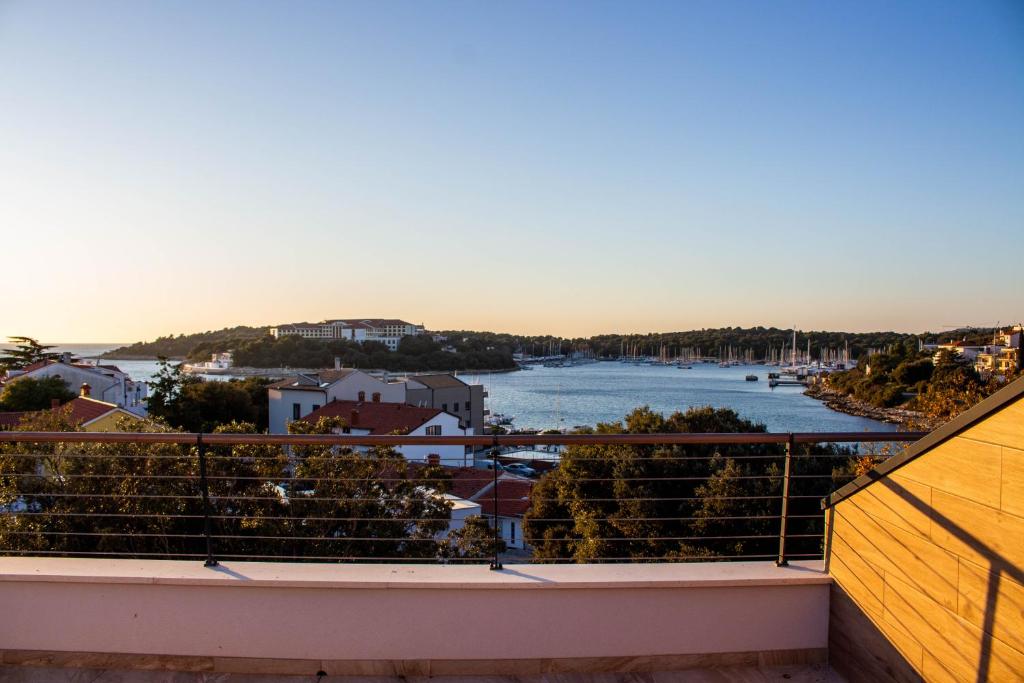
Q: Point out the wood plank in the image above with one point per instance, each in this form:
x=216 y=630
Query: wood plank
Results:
x=862 y=651
x=106 y=660
x=1012 y=498
x=947 y=639
x=900 y=501
x=976 y=532
x=936 y=671
x=967 y=468
x=267 y=666
x=1007 y=607
x=861 y=580
x=1005 y=427
x=891 y=550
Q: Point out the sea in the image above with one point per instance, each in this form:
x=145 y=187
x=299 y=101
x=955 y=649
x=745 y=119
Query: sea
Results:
x=566 y=397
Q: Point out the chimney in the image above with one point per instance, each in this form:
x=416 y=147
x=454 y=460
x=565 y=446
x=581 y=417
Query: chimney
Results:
x=85 y=390
x=376 y=397
x=354 y=418
x=337 y=362
x=434 y=459
x=54 y=403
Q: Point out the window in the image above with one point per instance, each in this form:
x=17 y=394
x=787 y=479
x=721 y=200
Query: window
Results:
x=444 y=407
x=512 y=533
x=316 y=406
x=469 y=406
x=362 y=396
x=434 y=430
x=456 y=406
x=296 y=411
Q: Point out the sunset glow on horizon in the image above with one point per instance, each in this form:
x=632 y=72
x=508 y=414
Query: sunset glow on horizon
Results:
x=568 y=169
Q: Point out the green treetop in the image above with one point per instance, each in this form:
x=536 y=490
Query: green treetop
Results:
x=25 y=352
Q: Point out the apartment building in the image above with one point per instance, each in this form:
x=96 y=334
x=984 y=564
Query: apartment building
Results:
x=1003 y=356
x=295 y=397
x=450 y=394
x=387 y=331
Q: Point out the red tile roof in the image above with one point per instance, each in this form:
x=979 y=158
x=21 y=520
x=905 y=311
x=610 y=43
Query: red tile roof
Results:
x=469 y=481
x=81 y=410
x=378 y=418
x=513 y=497
x=371 y=322
x=10 y=420
x=87 y=409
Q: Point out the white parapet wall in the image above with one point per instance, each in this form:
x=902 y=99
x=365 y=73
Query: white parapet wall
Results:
x=382 y=619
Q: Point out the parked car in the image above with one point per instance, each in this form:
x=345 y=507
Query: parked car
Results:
x=521 y=469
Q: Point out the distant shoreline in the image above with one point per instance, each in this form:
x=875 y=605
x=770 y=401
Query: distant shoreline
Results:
x=243 y=371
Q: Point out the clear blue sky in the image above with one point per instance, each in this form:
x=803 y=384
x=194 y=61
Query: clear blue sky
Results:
x=571 y=168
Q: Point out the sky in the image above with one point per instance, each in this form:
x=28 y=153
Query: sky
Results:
x=570 y=168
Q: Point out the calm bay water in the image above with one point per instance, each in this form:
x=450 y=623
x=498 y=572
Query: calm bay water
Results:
x=562 y=398
x=602 y=392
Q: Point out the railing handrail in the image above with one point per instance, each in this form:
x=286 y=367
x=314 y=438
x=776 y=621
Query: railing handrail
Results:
x=488 y=440
x=219 y=542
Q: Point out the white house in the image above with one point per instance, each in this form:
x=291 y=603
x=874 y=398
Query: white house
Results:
x=513 y=502
x=106 y=382
x=477 y=486
x=378 y=418
x=295 y=397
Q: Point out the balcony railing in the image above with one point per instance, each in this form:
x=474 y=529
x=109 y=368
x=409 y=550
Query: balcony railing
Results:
x=209 y=497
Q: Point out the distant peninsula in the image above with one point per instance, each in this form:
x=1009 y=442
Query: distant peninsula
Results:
x=188 y=346
x=473 y=350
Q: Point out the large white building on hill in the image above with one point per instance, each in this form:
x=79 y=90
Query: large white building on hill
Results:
x=387 y=331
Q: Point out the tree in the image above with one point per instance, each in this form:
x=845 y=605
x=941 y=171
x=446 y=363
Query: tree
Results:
x=195 y=405
x=202 y=406
x=142 y=499
x=676 y=502
x=475 y=540
x=25 y=352
x=29 y=393
x=954 y=387
x=164 y=388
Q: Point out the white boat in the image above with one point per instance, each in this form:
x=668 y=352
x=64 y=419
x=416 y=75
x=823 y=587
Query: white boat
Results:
x=219 y=364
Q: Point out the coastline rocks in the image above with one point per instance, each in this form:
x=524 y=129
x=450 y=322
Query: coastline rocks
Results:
x=851 y=406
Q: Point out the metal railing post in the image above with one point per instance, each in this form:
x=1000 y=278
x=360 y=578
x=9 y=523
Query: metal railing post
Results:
x=782 y=561
x=205 y=489
x=495 y=561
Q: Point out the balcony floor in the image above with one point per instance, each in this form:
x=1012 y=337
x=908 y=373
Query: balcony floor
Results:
x=811 y=673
